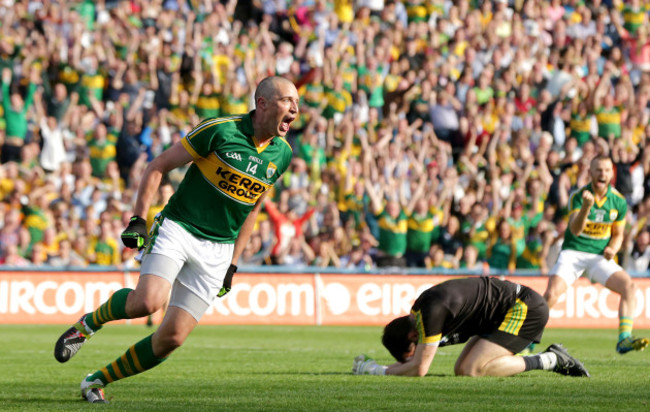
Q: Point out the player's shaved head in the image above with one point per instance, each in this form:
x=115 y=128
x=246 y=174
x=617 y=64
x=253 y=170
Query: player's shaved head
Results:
x=268 y=87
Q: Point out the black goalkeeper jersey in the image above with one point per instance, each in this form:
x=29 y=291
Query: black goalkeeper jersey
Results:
x=463 y=308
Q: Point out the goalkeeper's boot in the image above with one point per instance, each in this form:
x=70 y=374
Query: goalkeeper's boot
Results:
x=93 y=391
x=71 y=341
x=630 y=343
x=567 y=364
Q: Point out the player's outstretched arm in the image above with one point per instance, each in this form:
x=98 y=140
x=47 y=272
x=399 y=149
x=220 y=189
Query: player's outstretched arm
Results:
x=418 y=365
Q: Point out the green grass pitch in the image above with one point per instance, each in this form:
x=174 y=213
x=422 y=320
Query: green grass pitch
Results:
x=288 y=368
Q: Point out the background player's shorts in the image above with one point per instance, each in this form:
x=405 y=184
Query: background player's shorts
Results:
x=571 y=264
x=195 y=267
x=523 y=323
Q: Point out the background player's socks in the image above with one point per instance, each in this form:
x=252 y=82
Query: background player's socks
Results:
x=138 y=358
x=545 y=361
x=624 y=327
x=113 y=309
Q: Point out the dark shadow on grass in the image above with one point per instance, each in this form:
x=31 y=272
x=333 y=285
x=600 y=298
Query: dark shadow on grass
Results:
x=438 y=375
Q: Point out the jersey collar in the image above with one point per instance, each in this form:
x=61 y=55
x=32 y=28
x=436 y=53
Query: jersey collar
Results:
x=604 y=198
x=247 y=128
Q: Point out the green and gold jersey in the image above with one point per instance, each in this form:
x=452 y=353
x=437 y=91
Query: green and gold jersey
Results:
x=232 y=105
x=420 y=232
x=314 y=95
x=392 y=233
x=609 y=122
x=337 y=102
x=92 y=83
x=633 y=17
x=530 y=259
x=606 y=212
x=229 y=173
x=580 y=128
x=208 y=106
x=101 y=154
x=106 y=252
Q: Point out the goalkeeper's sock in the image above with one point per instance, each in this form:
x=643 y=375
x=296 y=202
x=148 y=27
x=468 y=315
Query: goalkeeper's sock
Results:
x=624 y=327
x=138 y=358
x=113 y=309
x=545 y=361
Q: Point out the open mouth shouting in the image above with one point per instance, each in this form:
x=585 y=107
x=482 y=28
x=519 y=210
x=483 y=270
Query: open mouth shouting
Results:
x=601 y=182
x=286 y=123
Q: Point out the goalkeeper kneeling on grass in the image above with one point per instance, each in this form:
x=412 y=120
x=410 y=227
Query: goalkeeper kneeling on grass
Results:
x=497 y=318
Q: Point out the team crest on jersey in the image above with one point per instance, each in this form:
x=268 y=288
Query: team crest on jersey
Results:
x=613 y=214
x=270 y=171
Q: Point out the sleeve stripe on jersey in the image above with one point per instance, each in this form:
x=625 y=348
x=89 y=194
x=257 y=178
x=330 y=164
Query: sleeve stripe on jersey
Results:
x=573 y=195
x=419 y=326
x=190 y=149
x=617 y=193
x=209 y=123
x=287 y=143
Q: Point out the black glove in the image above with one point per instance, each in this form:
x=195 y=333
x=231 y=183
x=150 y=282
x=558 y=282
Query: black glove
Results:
x=135 y=234
x=227 y=281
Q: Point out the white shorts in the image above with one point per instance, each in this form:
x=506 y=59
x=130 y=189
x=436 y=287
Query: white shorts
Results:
x=194 y=267
x=571 y=264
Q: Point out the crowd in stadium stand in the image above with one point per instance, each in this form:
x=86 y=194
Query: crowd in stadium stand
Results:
x=432 y=134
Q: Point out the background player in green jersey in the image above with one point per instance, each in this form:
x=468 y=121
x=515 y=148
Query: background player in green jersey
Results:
x=591 y=241
x=195 y=243
x=499 y=318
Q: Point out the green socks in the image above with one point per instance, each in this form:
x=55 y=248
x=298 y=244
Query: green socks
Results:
x=113 y=309
x=624 y=327
x=138 y=358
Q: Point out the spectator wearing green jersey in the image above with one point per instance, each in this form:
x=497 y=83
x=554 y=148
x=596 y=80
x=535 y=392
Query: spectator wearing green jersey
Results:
x=580 y=123
x=537 y=244
x=15 y=114
x=502 y=253
x=393 y=227
x=635 y=15
x=608 y=113
x=208 y=101
x=420 y=229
